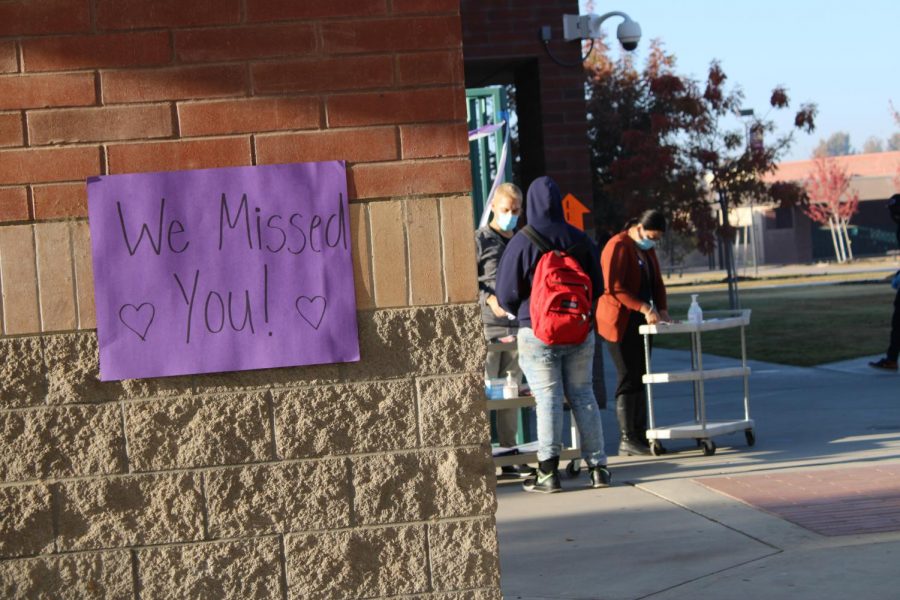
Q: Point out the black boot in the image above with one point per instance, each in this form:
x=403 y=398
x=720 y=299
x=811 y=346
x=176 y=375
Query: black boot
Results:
x=630 y=443
x=639 y=421
x=639 y=425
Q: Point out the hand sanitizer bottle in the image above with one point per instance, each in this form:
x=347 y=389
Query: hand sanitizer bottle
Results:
x=511 y=389
x=695 y=313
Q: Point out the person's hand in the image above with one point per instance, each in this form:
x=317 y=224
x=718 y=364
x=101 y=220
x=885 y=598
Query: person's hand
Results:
x=652 y=316
x=664 y=316
x=498 y=311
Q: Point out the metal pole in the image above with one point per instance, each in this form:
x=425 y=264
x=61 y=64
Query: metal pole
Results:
x=651 y=421
x=746 y=375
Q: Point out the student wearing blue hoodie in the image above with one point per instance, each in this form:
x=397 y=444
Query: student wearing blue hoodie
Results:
x=555 y=372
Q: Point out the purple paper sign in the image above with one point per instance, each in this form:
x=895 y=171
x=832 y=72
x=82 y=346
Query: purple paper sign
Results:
x=222 y=270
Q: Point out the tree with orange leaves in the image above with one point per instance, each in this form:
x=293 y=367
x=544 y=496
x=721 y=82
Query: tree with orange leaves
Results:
x=832 y=203
x=662 y=140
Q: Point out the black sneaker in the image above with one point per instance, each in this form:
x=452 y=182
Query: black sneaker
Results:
x=884 y=364
x=509 y=472
x=526 y=471
x=545 y=483
x=600 y=476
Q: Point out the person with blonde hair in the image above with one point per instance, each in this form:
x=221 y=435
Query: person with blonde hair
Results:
x=490 y=242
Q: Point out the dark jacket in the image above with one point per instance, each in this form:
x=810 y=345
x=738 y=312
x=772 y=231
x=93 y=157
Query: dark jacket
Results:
x=544 y=209
x=489 y=247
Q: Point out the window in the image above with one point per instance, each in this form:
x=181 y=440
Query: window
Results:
x=780 y=218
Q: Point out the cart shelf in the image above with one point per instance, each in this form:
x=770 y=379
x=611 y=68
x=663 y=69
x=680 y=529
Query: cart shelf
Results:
x=701 y=428
x=680 y=376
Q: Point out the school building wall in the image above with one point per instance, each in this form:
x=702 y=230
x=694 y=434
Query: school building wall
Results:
x=502 y=45
x=362 y=480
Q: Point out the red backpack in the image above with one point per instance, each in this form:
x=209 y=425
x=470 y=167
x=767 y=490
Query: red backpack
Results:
x=560 y=295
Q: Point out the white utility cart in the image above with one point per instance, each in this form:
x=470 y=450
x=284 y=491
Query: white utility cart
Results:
x=701 y=428
x=572 y=454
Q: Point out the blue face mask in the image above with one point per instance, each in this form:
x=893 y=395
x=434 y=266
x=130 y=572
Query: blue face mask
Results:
x=507 y=221
x=645 y=244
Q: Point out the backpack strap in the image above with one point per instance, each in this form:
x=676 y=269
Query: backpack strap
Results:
x=539 y=241
x=543 y=245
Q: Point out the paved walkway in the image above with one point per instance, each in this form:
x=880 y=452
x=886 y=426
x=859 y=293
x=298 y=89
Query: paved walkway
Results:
x=809 y=512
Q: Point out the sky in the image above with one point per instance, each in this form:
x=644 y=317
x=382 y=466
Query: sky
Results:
x=843 y=56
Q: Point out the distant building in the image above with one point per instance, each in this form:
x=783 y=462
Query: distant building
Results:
x=769 y=234
x=788 y=235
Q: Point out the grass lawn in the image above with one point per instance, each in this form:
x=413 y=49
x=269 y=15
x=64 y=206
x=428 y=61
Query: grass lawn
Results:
x=802 y=326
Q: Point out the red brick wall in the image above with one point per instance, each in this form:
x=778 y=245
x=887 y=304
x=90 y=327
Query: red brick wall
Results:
x=507 y=30
x=114 y=86
x=254 y=484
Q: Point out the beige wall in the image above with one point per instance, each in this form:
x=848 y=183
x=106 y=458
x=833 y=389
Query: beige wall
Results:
x=360 y=480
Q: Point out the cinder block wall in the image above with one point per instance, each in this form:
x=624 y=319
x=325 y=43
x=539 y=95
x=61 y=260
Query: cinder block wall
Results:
x=364 y=480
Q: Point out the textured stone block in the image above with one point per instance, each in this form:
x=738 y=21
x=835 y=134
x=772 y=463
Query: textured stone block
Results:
x=128 y=511
x=433 y=340
x=26 y=521
x=72 y=364
x=452 y=410
x=423 y=485
x=357 y=563
x=345 y=419
x=65 y=441
x=393 y=488
x=239 y=570
x=95 y=575
x=481 y=594
x=278 y=498
x=265 y=378
x=464 y=555
x=156 y=387
x=464 y=482
x=196 y=432
x=22 y=380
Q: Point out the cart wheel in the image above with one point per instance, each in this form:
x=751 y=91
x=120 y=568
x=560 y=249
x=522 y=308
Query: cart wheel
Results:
x=709 y=447
x=573 y=469
x=656 y=449
x=751 y=438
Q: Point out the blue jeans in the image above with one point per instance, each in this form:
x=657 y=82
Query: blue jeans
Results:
x=555 y=373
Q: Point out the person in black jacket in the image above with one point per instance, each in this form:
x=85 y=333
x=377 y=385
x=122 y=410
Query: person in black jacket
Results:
x=889 y=362
x=490 y=242
x=555 y=372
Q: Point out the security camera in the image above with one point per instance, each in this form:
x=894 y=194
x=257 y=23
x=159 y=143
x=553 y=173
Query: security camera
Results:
x=629 y=34
x=587 y=27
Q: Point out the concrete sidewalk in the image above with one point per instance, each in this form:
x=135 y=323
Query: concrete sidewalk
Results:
x=824 y=437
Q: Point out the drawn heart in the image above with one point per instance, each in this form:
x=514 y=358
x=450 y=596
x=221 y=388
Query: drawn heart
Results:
x=311 y=309
x=138 y=318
